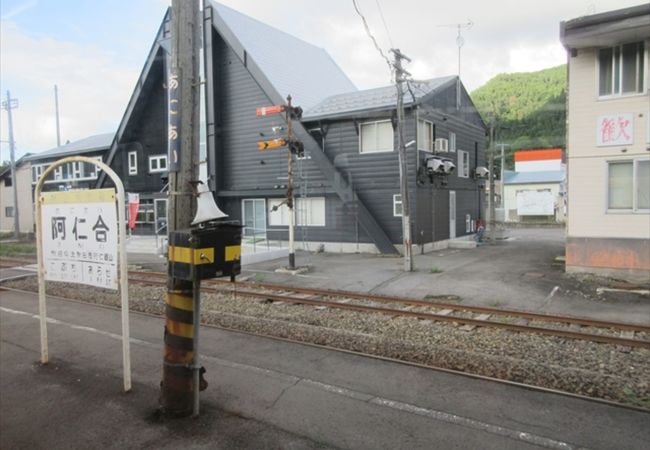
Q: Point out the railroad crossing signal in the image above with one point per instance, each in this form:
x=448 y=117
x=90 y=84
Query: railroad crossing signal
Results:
x=270 y=145
x=296 y=111
x=269 y=110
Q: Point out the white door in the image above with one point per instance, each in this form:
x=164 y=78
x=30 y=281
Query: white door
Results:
x=452 y=214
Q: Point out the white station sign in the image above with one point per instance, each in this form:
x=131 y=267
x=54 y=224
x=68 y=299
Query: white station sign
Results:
x=80 y=237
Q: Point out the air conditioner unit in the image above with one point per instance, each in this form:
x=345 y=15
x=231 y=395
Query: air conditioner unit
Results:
x=441 y=145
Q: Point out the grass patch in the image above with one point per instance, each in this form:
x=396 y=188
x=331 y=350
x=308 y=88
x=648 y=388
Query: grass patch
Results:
x=631 y=396
x=17 y=249
x=259 y=278
x=435 y=269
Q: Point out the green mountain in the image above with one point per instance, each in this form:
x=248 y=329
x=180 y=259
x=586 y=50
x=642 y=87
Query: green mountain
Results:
x=528 y=109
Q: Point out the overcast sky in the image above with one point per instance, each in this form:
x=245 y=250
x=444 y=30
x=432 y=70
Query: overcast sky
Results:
x=94 y=50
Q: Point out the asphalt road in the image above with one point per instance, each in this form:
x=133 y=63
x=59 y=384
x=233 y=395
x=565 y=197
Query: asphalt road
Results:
x=265 y=393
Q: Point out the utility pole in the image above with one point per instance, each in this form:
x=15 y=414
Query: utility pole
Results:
x=56 y=106
x=400 y=73
x=290 y=197
x=502 y=190
x=9 y=104
x=492 y=222
x=179 y=364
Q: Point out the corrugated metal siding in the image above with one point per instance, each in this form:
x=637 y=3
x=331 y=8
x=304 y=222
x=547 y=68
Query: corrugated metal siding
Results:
x=374 y=176
x=241 y=165
x=147 y=134
x=470 y=137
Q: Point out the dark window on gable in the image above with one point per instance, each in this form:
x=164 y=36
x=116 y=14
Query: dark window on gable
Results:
x=8 y=181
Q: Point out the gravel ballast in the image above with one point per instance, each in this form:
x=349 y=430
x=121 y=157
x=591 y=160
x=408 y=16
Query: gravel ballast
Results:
x=597 y=370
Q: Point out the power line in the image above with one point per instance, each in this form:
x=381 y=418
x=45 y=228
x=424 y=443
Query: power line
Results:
x=381 y=14
x=369 y=33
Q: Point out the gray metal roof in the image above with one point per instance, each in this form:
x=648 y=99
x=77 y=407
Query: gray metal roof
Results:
x=374 y=99
x=548 y=176
x=85 y=145
x=292 y=65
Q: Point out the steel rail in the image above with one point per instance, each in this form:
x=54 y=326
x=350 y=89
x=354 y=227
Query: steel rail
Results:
x=424 y=303
x=373 y=356
x=615 y=340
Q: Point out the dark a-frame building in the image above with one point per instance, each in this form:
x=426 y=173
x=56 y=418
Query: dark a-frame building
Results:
x=347 y=185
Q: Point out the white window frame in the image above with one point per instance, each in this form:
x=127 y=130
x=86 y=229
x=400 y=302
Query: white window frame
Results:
x=132 y=164
x=421 y=145
x=37 y=171
x=301 y=202
x=306 y=205
x=452 y=141
x=157 y=158
x=75 y=172
x=376 y=122
x=397 y=201
x=644 y=81
x=282 y=213
x=463 y=169
x=635 y=209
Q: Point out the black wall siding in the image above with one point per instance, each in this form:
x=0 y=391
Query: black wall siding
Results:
x=375 y=177
x=470 y=133
x=241 y=165
x=147 y=135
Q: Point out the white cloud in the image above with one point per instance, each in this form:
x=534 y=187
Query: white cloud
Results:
x=94 y=87
x=95 y=82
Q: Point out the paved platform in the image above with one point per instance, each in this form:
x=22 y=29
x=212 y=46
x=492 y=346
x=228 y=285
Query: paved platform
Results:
x=265 y=393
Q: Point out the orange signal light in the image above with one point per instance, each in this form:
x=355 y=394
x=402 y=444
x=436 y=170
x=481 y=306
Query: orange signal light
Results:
x=270 y=145
x=269 y=110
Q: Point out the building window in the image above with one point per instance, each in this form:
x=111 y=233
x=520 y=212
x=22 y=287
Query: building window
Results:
x=452 y=141
x=8 y=181
x=375 y=137
x=309 y=212
x=37 y=171
x=468 y=223
x=621 y=69
x=133 y=163
x=397 y=205
x=425 y=135
x=157 y=163
x=629 y=186
x=278 y=212
x=9 y=211
x=463 y=164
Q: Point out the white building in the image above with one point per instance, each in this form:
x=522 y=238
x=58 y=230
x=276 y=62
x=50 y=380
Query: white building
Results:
x=535 y=190
x=23 y=184
x=608 y=143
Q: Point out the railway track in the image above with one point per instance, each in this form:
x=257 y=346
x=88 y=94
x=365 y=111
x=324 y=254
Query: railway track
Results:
x=468 y=317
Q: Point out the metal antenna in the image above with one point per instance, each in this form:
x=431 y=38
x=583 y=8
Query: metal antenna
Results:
x=460 y=41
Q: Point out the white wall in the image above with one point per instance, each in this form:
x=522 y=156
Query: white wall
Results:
x=25 y=204
x=587 y=163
